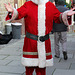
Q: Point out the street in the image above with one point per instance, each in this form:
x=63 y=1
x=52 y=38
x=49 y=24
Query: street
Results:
x=10 y=58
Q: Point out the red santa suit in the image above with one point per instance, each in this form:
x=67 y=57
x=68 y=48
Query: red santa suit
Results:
x=38 y=18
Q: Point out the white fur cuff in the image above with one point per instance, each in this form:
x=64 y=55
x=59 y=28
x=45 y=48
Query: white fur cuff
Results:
x=64 y=17
x=14 y=14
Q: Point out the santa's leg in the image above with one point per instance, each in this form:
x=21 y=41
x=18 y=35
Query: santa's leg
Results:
x=29 y=70
x=40 y=71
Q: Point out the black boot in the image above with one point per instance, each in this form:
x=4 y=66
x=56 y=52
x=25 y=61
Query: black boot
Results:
x=65 y=55
x=57 y=56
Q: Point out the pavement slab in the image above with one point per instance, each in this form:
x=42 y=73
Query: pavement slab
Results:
x=68 y=61
x=72 y=66
x=8 y=74
x=50 y=70
x=13 y=58
x=12 y=69
x=64 y=72
x=9 y=52
x=3 y=57
x=5 y=62
x=15 y=63
x=61 y=65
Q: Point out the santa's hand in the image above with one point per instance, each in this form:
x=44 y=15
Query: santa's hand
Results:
x=8 y=7
x=71 y=12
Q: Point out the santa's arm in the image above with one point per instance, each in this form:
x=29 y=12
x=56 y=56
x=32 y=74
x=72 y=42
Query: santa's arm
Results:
x=66 y=17
x=16 y=13
x=12 y=15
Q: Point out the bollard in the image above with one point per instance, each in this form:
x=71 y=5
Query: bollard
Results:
x=8 y=28
x=16 y=30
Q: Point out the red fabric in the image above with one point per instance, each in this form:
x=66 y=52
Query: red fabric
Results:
x=69 y=20
x=30 y=12
x=39 y=71
x=30 y=56
x=48 y=57
x=31 y=26
x=7 y=18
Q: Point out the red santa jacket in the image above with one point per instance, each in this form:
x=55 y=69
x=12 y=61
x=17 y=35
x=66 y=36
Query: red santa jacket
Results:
x=38 y=21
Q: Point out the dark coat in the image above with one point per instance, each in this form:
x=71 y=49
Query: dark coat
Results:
x=60 y=27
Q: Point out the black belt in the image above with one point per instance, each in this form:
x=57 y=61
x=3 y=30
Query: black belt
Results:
x=35 y=37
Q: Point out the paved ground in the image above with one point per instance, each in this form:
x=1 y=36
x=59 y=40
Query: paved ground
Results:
x=10 y=58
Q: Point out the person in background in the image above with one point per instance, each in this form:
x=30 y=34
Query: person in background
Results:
x=52 y=1
x=73 y=4
x=38 y=16
x=60 y=32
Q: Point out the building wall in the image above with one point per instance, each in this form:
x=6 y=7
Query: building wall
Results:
x=3 y=14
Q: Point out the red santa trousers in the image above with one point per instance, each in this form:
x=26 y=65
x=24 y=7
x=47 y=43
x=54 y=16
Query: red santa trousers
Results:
x=39 y=71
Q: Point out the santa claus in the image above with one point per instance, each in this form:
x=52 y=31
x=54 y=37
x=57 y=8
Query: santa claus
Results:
x=38 y=16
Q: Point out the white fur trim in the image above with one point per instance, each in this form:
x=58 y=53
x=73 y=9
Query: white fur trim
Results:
x=14 y=15
x=29 y=61
x=41 y=32
x=64 y=17
x=49 y=62
x=35 y=62
x=39 y=1
x=72 y=20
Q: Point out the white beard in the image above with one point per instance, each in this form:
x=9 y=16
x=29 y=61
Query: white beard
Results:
x=39 y=1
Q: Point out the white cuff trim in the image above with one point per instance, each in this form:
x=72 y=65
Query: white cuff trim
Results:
x=64 y=17
x=14 y=14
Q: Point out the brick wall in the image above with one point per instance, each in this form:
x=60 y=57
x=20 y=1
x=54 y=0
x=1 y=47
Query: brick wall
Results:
x=3 y=14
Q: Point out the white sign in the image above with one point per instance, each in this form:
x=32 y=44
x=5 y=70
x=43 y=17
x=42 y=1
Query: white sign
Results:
x=16 y=6
x=68 y=1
